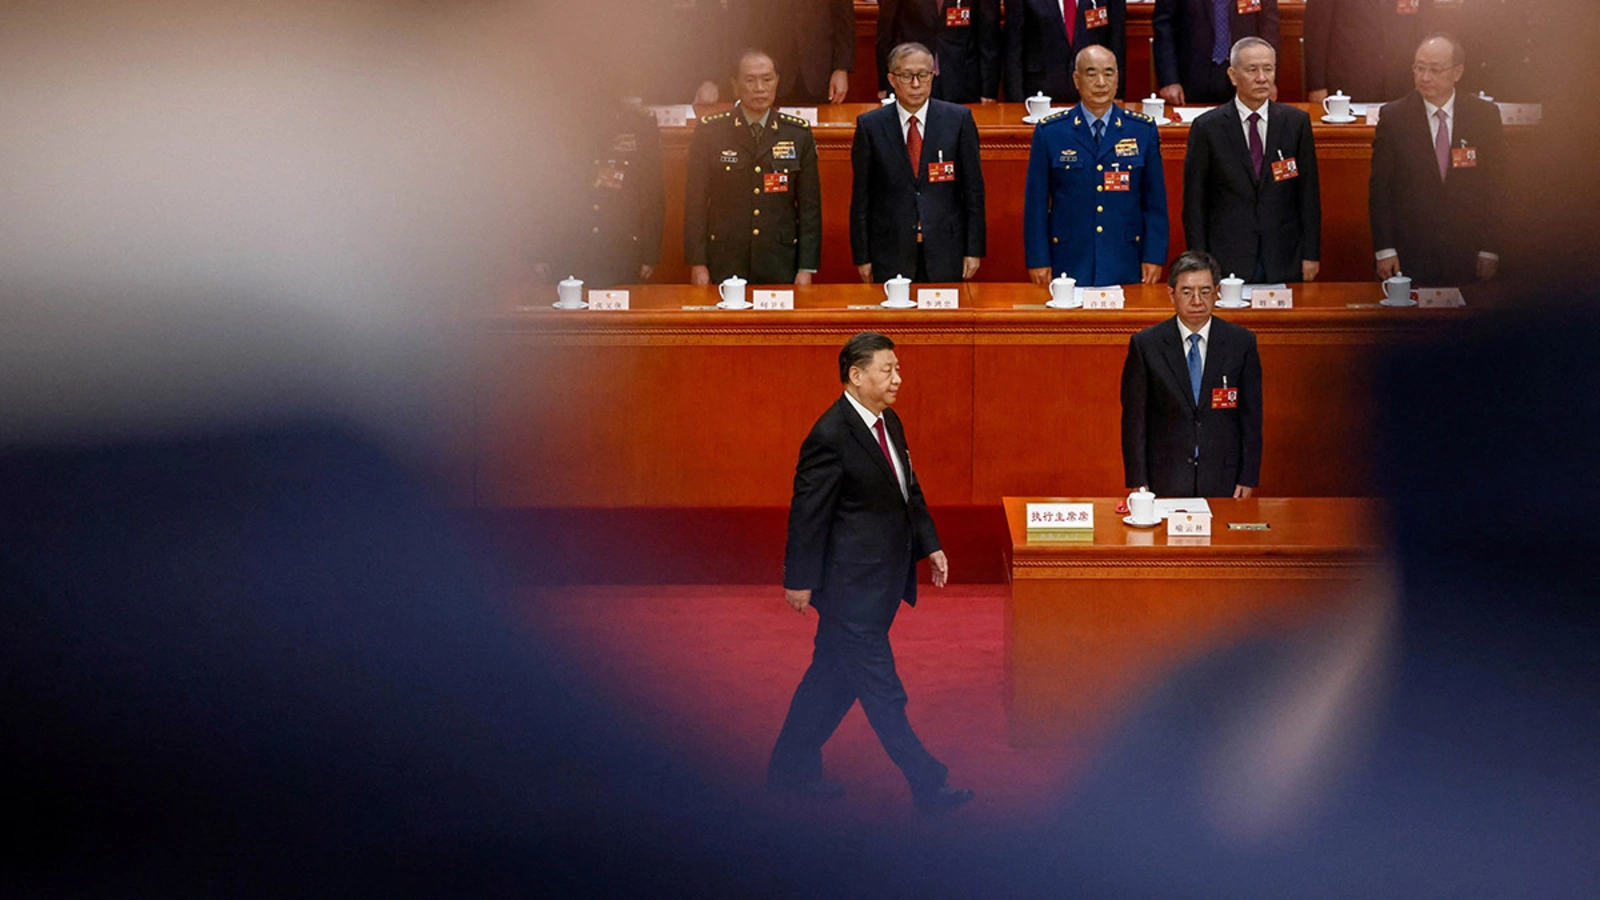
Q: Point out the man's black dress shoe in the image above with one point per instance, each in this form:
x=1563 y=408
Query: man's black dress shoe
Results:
x=820 y=787
x=942 y=800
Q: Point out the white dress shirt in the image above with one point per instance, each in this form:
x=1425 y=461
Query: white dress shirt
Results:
x=1244 y=121
x=920 y=112
x=1205 y=340
x=871 y=421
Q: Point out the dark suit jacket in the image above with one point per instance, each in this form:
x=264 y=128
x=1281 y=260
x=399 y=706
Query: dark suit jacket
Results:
x=1183 y=38
x=968 y=56
x=1161 y=425
x=726 y=186
x=1038 y=57
x=1437 y=227
x=887 y=201
x=1363 y=47
x=1237 y=215
x=617 y=227
x=854 y=541
x=807 y=39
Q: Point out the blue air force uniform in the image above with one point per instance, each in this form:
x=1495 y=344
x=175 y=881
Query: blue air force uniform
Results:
x=1074 y=220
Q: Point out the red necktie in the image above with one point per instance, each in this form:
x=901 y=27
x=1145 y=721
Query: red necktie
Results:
x=1069 y=15
x=883 y=441
x=914 y=145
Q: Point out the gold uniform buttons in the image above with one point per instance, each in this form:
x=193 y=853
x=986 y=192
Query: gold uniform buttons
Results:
x=755 y=231
x=758 y=169
x=755 y=190
x=1055 y=240
x=1099 y=228
x=1099 y=187
x=1099 y=168
x=758 y=212
x=1099 y=209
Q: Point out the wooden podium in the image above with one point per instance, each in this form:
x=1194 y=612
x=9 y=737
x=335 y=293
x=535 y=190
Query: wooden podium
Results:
x=1093 y=624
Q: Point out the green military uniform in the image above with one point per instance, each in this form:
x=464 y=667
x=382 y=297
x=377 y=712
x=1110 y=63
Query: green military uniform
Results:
x=618 y=226
x=753 y=205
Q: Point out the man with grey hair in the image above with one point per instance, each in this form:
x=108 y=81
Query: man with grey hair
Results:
x=1192 y=38
x=1250 y=192
x=916 y=198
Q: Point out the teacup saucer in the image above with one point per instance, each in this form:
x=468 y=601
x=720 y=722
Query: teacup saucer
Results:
x=903 y=304
x=1338 y=120
x=723 y=304
x=1065 y=304
x=1396 y=304
x=1130 y=520
x=1233 y=304
x=579 y=305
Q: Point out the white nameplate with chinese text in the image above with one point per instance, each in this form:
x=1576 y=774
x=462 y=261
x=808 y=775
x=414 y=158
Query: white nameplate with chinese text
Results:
x=1189 y=524
x=1440 y=298
x=767 y=299
x=1520 y=113
x=608 y=301
x=938 y=298
x=1060 y=516
x=1102 y=298
x=673 y=116
x=1272 y=298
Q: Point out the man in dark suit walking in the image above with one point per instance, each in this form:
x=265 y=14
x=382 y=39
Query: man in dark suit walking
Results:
x=1191 y=396
x=857 y=526
x=964 y=36
x=1438 y=158
x=1250 y=193
x=1044 y=38
x=1192 y=38
x=916 y=203
x=1362 y=47
x=812 y=42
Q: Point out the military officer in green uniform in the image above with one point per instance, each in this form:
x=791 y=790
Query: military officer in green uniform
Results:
x=753 y=206
x=1095 y=206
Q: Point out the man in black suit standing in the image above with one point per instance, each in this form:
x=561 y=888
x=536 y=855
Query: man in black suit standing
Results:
x=1438 y=159
x=964 y=36
x=916 y=202
x=1250 y=193
x=1191 y=396
x=1044 y=37
x=857 y=526
x=813 y=43
x=1362 y=47
x=1192 y=38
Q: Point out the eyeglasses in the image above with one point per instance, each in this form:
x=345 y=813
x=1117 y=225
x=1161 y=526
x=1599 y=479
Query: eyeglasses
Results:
x=921 y=77
x=1431 y=71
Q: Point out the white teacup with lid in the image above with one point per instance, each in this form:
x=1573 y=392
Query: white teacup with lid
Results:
x=1230 y=292
x=1397 y=291
x=897 y=292
x=1154 y=107
x=1062 y=291
x=1038 y=105
x=1142 y=507
x=569 y=294
x=731 y=290
x=1337 y=106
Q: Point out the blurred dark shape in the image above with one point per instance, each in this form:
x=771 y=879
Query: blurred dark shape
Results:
x=808 y=40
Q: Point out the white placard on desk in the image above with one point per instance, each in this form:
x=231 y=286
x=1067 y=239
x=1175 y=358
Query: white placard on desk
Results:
x=673 y=116
x=1102 y=298
x=1189 y=524
x=770 y=299
x=1060 y=516
x=1440 y=298
x=1170 y=505
x=1272 y=298
x=1521 y=113
x=938 y=298
x=809 y=113
x=1187 y=114
x=608 y=301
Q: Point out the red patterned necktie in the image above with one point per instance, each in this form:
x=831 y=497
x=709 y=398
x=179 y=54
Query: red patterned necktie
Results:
x=883 y=442
x=914 y=145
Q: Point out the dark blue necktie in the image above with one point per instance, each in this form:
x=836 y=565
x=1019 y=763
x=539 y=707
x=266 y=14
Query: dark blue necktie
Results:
x=1219 y=29
x=1099 y=128
x=1194 y=366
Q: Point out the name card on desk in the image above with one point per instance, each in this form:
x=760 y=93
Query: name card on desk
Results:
x=608 y=301
x=1272 y=298
x=1440 y=298
x=1060 y=516
x=1521 y=113
x=1189 y=524
x=773 y=299
x=1102 y=298
x=673 y=116
x=809 y=113
x=938 y=298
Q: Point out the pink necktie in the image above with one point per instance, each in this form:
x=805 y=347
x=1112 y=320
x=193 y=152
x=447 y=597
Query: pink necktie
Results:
x=883 y=441
x=1441 y=143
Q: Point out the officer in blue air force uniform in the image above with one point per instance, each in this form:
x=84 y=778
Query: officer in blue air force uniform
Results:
x=1095 y=209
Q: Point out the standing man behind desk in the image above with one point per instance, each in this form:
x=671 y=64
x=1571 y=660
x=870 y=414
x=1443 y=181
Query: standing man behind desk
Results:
x=964 y=36
x=1250 y=192
x=1044 y=38
x=752 y=204
x=1362 y=47
x=857 y=526
x=812 y=43
x=916 y=203
x=1191 y=396
x=1078 y=214
x=1437 y=163
x=1192 y=38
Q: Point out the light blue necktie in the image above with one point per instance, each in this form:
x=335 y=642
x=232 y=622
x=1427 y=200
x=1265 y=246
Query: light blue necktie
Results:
x=1220 y=45
x=1194 y=366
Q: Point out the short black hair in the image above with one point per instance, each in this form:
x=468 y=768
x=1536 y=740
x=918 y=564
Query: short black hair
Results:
x=859 y=351
x=744 y=54
x=1194 y=261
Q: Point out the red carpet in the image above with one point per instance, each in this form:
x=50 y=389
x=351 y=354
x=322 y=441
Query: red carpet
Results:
x=710 y=670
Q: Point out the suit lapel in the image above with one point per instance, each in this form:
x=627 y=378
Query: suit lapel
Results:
x=769 y=134
x=1216 y=345
x=869 y=442
x=1172 y=352
x=741 y=133
x=1234 y=137
x=1274 y=142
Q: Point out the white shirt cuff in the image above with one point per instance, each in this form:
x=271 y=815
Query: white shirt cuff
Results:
x=809 y=271
x=1387 y=253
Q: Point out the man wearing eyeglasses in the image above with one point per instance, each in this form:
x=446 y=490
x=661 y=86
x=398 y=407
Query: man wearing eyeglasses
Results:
x=752 y=204
x=1191 y=395
x=1437 y=164
x=916 y=202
